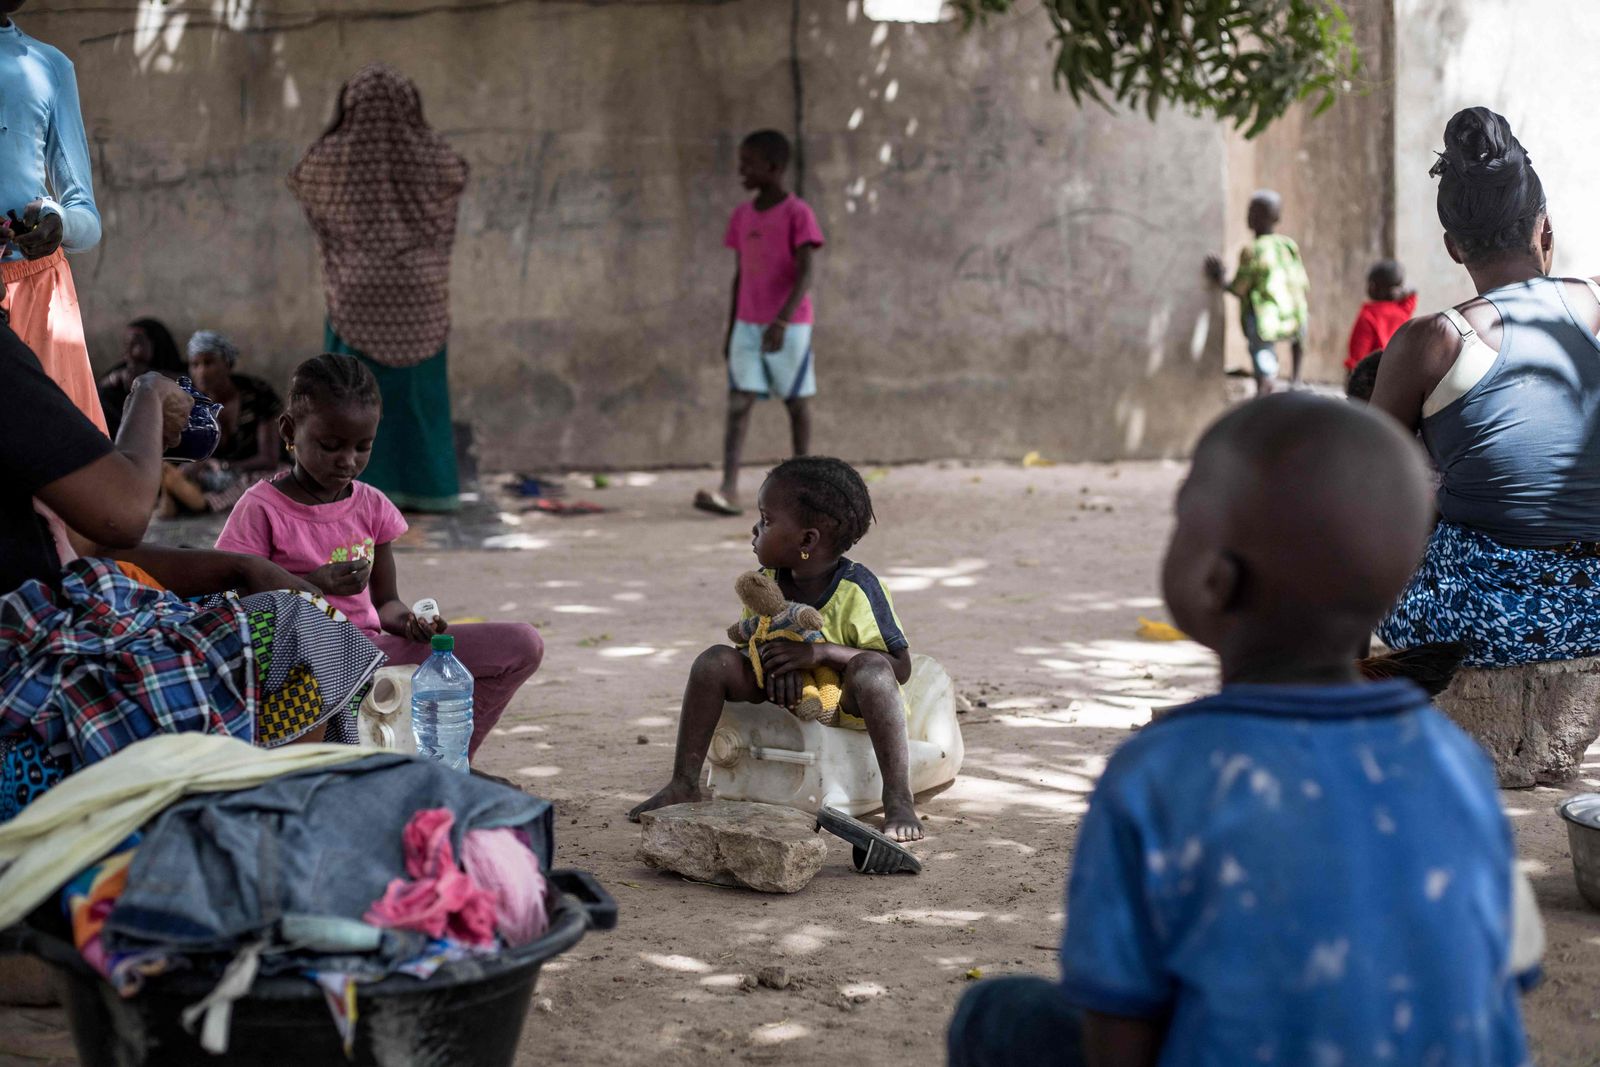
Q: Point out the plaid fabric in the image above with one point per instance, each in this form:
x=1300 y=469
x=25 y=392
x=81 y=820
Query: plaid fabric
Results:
x=98 y=661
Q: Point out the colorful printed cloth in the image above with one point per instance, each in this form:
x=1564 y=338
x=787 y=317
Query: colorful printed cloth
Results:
x=97 y=661
x=1271 y=285
x=26 y=771
x=1509 y=606
x=381 y=190
x=312 y=666
x=88 y=899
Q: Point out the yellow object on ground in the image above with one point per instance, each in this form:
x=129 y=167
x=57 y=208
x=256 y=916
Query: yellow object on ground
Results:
x=1034 y=459
x=1150 y=630
x=82 y=818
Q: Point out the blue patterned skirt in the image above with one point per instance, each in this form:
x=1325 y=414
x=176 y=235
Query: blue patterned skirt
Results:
x=1507 y=605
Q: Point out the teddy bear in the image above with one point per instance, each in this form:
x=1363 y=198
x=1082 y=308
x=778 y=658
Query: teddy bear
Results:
x=772 y=618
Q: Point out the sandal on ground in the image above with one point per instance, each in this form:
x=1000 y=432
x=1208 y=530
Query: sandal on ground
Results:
x=716 y=503
x=872 y=850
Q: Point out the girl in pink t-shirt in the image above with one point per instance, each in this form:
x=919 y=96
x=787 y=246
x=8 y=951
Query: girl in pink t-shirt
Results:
x=318 y=521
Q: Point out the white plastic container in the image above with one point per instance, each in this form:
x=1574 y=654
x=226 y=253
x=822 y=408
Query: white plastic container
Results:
x=761 y=752
x=384 y=720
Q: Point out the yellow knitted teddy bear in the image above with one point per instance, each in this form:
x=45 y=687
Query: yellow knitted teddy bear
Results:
x=772 y=618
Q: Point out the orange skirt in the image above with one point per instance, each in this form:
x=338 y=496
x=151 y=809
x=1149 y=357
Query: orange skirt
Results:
x=42 y=302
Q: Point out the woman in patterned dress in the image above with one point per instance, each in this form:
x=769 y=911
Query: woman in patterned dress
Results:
x=381 y=190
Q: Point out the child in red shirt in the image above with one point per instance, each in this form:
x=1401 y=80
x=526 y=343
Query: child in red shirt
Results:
x=1389 y=304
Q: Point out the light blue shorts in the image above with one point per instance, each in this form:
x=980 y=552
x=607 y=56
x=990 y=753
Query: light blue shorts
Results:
x=788 y=374
x=1263 y=354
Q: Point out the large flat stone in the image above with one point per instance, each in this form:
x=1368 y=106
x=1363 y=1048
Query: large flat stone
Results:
x=1536 y=721
x=735 y=843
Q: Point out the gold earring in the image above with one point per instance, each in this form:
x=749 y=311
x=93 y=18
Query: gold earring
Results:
x=805 y=555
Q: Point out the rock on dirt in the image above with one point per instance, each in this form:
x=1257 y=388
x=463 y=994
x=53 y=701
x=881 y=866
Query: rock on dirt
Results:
x=735 y=843
x=773 y=978
x=1535 y=720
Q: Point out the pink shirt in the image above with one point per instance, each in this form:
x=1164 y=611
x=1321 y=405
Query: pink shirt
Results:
x=766 y=242
x=302 y=537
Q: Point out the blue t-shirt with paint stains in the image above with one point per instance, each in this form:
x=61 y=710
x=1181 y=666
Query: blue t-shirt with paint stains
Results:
x=1300 y=875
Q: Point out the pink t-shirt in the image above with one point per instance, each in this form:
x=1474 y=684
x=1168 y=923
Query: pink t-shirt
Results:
x=302 y=537
x=766 y=242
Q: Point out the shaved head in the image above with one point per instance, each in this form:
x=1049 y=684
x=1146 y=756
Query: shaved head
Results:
x=1267 y=198
x=1302 y=518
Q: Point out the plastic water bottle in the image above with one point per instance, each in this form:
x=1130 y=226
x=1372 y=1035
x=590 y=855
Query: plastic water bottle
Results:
x=441 y=705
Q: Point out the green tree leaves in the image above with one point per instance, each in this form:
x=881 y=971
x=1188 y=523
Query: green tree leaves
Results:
x=1245 y=61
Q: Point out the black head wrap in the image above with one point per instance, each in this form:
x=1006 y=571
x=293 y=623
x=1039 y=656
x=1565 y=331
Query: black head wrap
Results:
x=1489 y=194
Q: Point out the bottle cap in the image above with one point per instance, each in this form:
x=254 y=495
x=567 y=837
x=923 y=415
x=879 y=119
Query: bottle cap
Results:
x=444 y=642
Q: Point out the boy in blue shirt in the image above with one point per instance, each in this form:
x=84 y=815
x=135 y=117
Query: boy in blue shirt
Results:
x=1303 y=869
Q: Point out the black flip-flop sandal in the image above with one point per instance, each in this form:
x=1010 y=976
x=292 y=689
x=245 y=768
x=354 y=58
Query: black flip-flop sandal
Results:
x=872 y=850
x=715 y=503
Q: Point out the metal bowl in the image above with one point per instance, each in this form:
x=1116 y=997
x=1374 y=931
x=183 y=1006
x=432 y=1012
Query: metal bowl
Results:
x=1582 y=813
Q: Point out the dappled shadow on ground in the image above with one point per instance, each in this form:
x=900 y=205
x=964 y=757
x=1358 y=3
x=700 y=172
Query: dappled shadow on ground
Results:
x=1035 y=614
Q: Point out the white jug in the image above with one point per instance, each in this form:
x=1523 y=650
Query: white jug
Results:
x=763 y=753
x=384 y=720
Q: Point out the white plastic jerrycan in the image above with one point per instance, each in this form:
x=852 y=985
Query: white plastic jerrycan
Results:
x=761 y=752
x=384 y=720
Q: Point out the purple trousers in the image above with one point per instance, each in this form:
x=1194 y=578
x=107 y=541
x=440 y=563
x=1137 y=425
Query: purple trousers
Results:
x=500 y=655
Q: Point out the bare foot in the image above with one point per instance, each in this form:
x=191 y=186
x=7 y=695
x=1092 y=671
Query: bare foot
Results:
x=674 y=793
x=900 y=822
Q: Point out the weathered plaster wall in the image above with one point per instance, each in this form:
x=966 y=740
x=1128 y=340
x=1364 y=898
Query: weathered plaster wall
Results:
x=1530 y=60
x=1000 y=275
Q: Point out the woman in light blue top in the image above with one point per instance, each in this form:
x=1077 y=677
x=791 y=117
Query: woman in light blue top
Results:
x=1505 y=391
x=46 y=207
x=44 y=153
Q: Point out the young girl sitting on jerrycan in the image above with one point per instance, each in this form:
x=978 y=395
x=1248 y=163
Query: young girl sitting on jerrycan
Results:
x=812 y=510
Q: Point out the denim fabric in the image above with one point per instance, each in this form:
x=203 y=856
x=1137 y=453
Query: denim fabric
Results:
x=1016 y=1021
x=215 y=871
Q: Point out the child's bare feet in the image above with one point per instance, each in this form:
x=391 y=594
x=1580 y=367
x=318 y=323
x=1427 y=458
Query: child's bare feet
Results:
x=674 y=793
x=900 y=821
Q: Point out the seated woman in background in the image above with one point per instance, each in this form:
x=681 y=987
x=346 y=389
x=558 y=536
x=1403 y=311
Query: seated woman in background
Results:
x=1505 y=390
x=251 y=447
x=147 y=345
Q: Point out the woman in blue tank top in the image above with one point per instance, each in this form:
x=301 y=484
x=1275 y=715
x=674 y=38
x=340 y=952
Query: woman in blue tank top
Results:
x=1505 y=391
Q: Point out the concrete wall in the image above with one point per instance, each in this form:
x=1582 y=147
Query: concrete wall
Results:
x=1005 y=272
x=1530 y=60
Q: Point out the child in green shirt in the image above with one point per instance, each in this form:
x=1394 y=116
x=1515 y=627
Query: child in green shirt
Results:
x=1272 y=288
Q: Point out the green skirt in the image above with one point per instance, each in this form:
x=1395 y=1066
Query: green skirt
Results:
x=414 y=456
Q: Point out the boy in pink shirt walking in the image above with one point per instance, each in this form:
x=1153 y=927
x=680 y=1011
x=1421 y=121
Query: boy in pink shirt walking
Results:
x=768 y=346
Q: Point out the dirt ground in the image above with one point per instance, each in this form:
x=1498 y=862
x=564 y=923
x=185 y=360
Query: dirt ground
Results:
x=1028 y=585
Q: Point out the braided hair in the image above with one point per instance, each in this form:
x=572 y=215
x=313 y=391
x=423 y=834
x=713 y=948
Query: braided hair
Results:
x=830 y=495
x=332 y=378
x=1490 y=198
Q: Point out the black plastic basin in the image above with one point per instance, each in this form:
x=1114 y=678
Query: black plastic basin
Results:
x=470 y=1013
